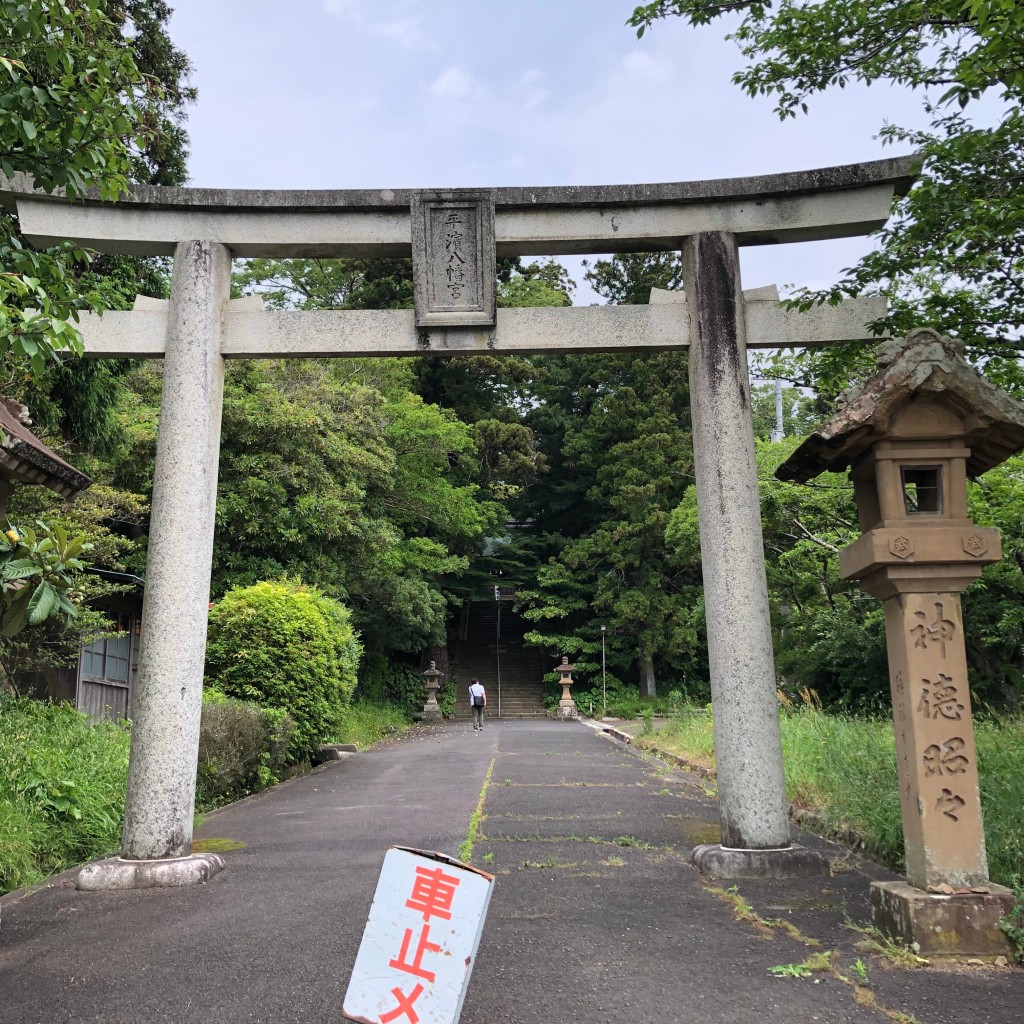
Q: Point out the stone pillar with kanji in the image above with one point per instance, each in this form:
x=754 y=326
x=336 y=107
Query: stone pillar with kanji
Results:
x=911 y=436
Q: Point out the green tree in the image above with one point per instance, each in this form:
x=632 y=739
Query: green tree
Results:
x=337 y=472
x=614 y=430
x=38 y=569
x=994 y=604
x=76 y=112
x=328 y=283
x=799 y=412
x=951 y=256
x=74 y=399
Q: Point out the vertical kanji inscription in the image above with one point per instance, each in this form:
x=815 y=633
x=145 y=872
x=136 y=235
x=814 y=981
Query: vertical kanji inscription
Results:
x=453 y=259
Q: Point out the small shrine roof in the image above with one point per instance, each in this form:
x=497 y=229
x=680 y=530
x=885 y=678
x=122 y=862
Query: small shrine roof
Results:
x=25 y=458
x=923 y=363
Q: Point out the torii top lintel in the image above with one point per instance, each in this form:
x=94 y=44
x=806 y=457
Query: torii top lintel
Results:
x=832 y=202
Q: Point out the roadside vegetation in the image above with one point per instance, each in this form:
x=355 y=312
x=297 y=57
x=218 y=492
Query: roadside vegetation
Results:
x=63 y=776
x=369 y=721
x=62 y=783
x=843 y=768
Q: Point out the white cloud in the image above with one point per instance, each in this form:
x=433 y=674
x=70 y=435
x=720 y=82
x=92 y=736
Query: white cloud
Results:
x=532 y=92
x=454 y=83
x=407 y=32
x=394 y=22
x=643 y=65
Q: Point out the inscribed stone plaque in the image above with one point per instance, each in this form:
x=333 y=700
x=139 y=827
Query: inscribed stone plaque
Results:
x=453 y=258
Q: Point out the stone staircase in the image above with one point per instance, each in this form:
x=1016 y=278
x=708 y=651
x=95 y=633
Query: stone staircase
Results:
x=522 y=667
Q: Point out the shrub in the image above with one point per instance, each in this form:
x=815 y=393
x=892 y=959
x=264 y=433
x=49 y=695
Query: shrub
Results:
x=383 y=681
x=242 y=748
x=62 y=784
x=624 y=700
x=286 y=646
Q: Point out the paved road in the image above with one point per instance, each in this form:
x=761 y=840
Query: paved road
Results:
x=596 y=915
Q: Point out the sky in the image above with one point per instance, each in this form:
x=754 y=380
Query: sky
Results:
x=479 y=93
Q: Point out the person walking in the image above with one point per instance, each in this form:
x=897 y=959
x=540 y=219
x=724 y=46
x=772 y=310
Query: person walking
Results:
x=477 y=701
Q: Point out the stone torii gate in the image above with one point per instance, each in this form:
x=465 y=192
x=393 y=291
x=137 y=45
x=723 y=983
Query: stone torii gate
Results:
x=453 y=237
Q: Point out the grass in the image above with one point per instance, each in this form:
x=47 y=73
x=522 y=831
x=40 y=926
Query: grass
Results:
x=62 y=785
x=63 y=778
x=367 y=722
x=466 y=847
x=844 y=768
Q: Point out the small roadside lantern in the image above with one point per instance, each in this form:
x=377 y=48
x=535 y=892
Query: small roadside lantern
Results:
x=431 y=709
x=911 y=436
x=566 y=705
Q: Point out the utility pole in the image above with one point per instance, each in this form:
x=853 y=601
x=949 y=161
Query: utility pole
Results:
x=604 y=678
x=780 y=430
x=497 y=643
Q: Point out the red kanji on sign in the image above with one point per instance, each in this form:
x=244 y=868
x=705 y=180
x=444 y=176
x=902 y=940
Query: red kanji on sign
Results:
x=424 y=946
x=432 y=893
x=405 y=1005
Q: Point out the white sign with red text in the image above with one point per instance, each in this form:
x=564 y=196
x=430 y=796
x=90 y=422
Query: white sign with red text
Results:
x=420 y=942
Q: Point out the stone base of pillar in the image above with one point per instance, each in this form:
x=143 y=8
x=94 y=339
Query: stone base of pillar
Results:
x=430 y=713
x=794 y=861
x=117 y=873
x=966 y=924
x=565 y=712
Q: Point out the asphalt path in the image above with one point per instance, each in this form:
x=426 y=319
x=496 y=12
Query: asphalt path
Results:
x=596 y=914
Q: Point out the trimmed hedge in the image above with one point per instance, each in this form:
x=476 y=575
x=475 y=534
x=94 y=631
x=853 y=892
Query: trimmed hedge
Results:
x=285 y=646
x=242 y=748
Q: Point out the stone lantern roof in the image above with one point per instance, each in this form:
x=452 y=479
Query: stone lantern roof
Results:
x=25 y=458
x=925 y=364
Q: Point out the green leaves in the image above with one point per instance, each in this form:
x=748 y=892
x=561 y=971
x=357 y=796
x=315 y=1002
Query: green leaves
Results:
x=952 y=255
x=38 y=569
x=73 y=115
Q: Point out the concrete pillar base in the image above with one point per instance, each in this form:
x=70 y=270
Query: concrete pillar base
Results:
x=933 y=925
x=794 y=861
x=430 y=713
x=118 y=873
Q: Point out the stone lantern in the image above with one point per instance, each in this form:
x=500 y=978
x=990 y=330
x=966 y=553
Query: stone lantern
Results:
x=911 y=436
x=566 y=705
x=432 y=710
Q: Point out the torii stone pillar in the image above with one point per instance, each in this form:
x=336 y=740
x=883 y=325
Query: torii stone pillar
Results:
x=748 y=745
x=157 y=840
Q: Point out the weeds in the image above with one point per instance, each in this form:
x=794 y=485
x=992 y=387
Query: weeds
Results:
x=367 y=722
x=790 y=971
x=844 y=767
x=816 y=963
x=1013 y=922
x=743 y=911
x=62 y=783
x=466 y=847
x=881 y=945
